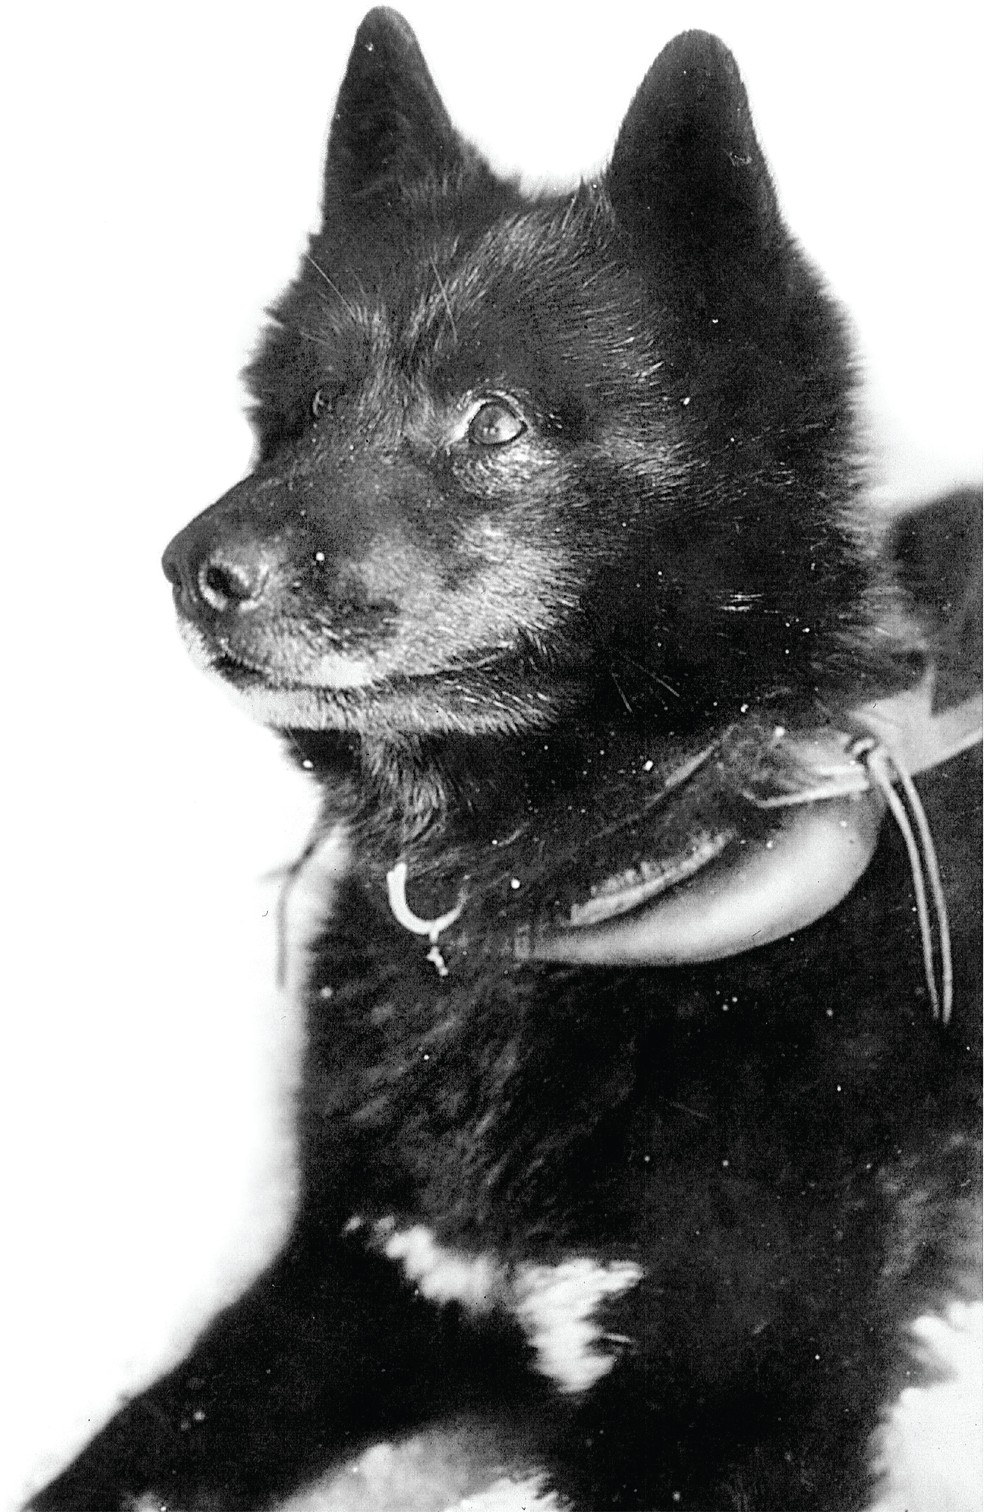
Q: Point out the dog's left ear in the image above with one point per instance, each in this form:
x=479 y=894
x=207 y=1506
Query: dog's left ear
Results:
x=390 y=127
x=688 y=181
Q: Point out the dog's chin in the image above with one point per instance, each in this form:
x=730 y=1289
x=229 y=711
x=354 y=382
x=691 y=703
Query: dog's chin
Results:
x=486 y=697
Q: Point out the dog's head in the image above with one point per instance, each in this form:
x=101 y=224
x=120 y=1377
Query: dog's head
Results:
x=517 y=453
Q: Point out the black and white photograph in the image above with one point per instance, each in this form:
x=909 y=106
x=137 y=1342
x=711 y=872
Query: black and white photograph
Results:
x=493 y=786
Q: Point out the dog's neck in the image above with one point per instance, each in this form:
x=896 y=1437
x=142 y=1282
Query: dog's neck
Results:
x=573 y=851
x=522 y=826
x=426 y=797
x=493 y=842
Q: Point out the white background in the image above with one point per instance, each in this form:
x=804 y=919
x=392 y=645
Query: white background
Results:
x=165 y=167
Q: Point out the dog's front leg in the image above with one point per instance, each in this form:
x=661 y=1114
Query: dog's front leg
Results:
x=328 y=1349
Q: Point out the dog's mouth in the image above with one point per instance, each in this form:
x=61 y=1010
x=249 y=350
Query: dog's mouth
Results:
x=352 y=674
x=293 y=680
x=492 y=692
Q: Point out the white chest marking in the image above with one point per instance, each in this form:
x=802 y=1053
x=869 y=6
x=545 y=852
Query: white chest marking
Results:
x=927 y=1452
x=477 y=1282
x=553 y=1304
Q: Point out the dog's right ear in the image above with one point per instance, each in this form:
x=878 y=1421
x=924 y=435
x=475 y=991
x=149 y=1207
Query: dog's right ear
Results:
x=390 y=127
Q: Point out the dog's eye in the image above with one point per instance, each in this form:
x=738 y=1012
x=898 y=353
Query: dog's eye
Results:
x=320 y=402
x=495 y=424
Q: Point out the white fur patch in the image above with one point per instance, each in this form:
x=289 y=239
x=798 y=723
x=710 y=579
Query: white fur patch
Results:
x=928 y=1451
x=508 y=1495
x=553 y=1304
x=430 y=1472
x=478 y=1282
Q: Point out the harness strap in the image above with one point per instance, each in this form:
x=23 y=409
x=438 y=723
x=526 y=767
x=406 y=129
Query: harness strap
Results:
x=884 y=771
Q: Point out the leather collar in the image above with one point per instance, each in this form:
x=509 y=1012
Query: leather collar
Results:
x=750 y=893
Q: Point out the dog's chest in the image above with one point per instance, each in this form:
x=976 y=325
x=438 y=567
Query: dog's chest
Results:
x=391 y=1045
x=559 y=1306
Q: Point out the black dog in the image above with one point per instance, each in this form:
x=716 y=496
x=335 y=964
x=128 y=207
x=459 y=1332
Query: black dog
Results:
x=556 y=571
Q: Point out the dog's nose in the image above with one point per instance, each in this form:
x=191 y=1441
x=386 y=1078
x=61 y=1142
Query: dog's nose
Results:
x=224 y=578
x=228 y=580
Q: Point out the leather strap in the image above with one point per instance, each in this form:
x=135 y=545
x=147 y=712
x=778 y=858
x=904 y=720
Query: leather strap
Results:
x=757 y=892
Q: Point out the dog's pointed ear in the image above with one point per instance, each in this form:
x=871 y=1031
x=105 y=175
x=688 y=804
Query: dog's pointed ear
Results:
x=687 y=179
x=390 y=125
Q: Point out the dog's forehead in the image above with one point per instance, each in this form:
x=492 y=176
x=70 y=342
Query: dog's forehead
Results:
x=487 y=309
x=492 y=305
x=552 y=256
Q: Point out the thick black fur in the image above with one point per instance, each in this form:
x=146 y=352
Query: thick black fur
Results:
x=574 y=479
